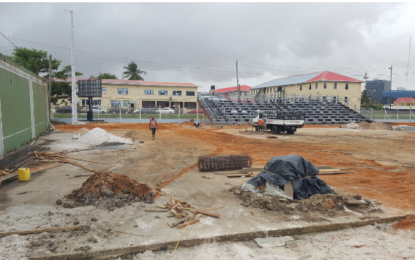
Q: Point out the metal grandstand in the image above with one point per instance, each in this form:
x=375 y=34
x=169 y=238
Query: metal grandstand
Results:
x=317 y=109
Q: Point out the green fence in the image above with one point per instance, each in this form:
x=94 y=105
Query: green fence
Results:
x=23 y=106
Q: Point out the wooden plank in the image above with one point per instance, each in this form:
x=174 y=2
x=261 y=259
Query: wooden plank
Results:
x=190 y=223
x=227 y=173
x=34 y=231
x=156 y=210
x=329 y=170
x=210 y=214
x=323 y=166
x=288 y=189
x=179 y=221
x=331 y=173
x=238 y=175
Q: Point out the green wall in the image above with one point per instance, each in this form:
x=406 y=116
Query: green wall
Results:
x=15 y=99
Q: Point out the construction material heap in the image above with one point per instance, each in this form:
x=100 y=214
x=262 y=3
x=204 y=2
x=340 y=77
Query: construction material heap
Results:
x=223 y=162
x=109 y=190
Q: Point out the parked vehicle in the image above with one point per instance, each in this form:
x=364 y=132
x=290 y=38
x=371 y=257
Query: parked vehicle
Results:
x=67 y=110
x=117 y=110
x=145 y=110
x=165 y=111
x=194 y=111
x=97 y=110
x=278 y=121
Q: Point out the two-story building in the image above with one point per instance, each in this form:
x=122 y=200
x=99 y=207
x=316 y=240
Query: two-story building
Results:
x=320 y=84
x=133 y=94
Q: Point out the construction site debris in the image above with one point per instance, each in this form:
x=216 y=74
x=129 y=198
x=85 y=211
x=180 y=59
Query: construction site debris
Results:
x=108 y=190
x=318 y=207
x=223 y=162
x=184 y=212
x=351 y=125
x=303 y=174
x=34 y=231
x=206 y=177
x=374 y=126
x=272 y=137
x=269 y=242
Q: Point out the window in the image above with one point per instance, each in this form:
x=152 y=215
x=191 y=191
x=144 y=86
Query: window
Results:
x=104 y=90
x=123 y=91
x=309 y=86
x=85 y=102
x=316 y=85
x=115 y=103
x=335 y=85
x=163 y=92
x=345 y=99
x=190 y=93
x=347 y=86
x=148 y=92
x=325 y=85
x=126 y=103
x=301 y=87
x=177 y=93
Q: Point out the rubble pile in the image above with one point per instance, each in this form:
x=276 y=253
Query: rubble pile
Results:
x=108 y=190
x=374 y=126
x=318 y=207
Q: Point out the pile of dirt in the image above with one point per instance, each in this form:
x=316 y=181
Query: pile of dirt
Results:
x=108 y=190
x=351 y=125
x=319 y=207
x=133 y=135
x=374 y=126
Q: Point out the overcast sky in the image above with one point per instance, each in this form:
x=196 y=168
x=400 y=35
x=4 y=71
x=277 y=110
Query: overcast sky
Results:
x=200 y=42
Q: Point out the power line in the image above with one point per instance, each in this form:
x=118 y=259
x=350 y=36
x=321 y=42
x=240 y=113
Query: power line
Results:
x=8 y=39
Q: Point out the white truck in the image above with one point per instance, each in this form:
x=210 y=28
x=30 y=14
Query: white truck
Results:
x=278 y=121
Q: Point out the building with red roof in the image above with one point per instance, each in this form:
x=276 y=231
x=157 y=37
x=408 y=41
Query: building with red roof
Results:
x=326 y=84
x=404 y=101
x=133 y=94
x=232 y=91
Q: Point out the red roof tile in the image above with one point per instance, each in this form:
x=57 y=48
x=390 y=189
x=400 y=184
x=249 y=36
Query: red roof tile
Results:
x=331 y=76
x=404 y=99
x=232 y=89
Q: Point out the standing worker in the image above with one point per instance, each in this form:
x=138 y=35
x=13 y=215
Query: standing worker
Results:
x=153 y=126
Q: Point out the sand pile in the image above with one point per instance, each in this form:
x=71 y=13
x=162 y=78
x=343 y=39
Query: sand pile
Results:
x=374 y=126
x=108 y=190
x=316 y=208
x=97 y=136
x=351 y=125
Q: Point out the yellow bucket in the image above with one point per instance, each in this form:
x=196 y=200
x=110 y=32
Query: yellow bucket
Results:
x=24 y=174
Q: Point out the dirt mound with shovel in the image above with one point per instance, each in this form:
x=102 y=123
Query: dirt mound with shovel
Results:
x=109 y=190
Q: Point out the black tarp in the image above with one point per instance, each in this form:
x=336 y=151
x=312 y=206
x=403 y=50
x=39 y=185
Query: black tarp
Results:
x=301 y=172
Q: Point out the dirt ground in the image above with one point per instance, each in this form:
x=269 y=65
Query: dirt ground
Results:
x=390 y=153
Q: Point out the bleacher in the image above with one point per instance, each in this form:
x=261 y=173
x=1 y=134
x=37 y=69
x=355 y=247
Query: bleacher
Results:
x=321 y=110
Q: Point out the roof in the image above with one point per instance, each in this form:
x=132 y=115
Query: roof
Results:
x=307 y=78
x=135 y=82
x=232 y=89
x=404 y=99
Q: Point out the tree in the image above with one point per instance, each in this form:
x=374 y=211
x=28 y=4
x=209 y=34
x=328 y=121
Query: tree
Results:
x=105 y=76
x=365 y=99
x=36 y=61
x=133 y=73
x=62 y=90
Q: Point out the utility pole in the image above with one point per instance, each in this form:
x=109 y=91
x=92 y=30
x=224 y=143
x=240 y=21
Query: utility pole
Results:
x=390 y=91
x=50 y=87
x=407 y=67
x=237 y=82
x=74 y=102
x=366 y=77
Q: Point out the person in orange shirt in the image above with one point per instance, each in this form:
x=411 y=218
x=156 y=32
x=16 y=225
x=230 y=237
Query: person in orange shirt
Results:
x=153 y=126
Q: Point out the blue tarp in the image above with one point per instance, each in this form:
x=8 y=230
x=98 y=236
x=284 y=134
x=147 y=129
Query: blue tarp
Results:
x=301 y=172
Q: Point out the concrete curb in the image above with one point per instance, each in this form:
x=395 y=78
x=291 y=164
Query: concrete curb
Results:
x=115 y=252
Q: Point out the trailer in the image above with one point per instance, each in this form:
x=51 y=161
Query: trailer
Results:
x=278 y=121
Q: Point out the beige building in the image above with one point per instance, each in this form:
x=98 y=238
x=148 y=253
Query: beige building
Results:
x=321 y=84
x=133 y=94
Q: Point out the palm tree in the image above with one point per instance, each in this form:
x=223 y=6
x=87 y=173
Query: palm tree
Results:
x=365 y=99
x=132 y=72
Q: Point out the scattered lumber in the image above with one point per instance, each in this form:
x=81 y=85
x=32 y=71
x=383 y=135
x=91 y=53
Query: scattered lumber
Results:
x=335 y=172
x=357 y=202
x=190 y=223
x=239 y=175
x=184 y=213
x=329 y=170
x=34 y=231
x=227 y=173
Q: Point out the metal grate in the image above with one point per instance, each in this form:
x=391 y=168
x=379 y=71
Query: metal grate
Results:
x=223 y=162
